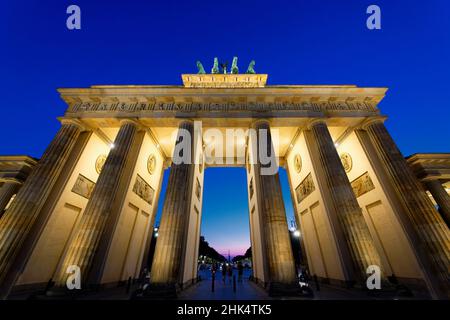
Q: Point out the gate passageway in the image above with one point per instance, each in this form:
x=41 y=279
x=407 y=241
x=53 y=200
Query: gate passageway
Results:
x=245 y=290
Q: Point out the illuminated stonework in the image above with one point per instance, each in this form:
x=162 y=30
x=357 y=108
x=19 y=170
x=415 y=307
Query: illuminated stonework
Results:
x=100 y=162
x=98 y=211
x=298 y=163
x=224 y=80
x=151 y=164
x=347 y=161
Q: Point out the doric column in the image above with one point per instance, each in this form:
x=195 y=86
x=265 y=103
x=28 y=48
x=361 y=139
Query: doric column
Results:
x=166 y=268
x=17 y=221
x=428 y=224
x=85 y=244
x=276 y=234
x=441 y=197
x=346 y=214
x=8 y=189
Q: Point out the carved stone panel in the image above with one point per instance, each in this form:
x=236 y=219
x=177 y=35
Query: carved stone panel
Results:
x=305 y=188
x=200 y=164
x=362 y=185
x=151 y=164
x=198 y=189
x=143 y=190
x=298 y=163
x=100 y=162
x=83 y=186
x=347 y=161
x=251 y=188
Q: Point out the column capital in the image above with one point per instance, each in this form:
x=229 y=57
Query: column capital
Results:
x=315 y=121
x=185 y=121
x=369 y=121
x=75 y=122
x=11 y=180
x=133 y=121
x=262 y=121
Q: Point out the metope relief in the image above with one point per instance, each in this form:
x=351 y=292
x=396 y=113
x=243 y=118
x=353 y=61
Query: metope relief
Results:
x=83 y=186
x=362 y=185
x=143 y=190
x=305 y=188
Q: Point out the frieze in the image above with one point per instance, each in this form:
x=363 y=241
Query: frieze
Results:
x=220 y=107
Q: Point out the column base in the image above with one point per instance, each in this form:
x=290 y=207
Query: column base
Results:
x=157 y=292
x=62 y=292
x=260 y=283
x=278 y=289
x=57 y=293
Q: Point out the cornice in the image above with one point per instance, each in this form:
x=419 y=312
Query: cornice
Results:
x=314 y=91
x=18 y=159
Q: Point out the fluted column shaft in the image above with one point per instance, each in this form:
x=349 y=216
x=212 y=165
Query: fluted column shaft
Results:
x=349 y=214
x=441 y=197
x=85 y=243
x=428 y=224
x=17 y=221
x=6 y=192
x=167 y=260
x=276 y=234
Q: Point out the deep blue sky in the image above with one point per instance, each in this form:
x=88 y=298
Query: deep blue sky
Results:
x=295 y=42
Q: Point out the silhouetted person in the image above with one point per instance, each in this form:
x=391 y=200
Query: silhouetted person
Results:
x=143 y=275
x=230 y=271
x=240 y=271
x=128 y=284
x=224 y=272
x=316 y=281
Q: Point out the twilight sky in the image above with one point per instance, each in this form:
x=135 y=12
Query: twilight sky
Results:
x=295 y=42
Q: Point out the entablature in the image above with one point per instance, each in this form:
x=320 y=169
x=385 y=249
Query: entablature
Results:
x=278 y=99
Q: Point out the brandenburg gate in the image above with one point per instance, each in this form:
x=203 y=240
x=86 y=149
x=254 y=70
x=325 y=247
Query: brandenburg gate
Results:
x=91 y=200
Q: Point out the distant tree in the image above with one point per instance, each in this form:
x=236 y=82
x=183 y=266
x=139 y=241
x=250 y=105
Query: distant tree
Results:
x=248 y=253
x=206 y=250
x=238 y=258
